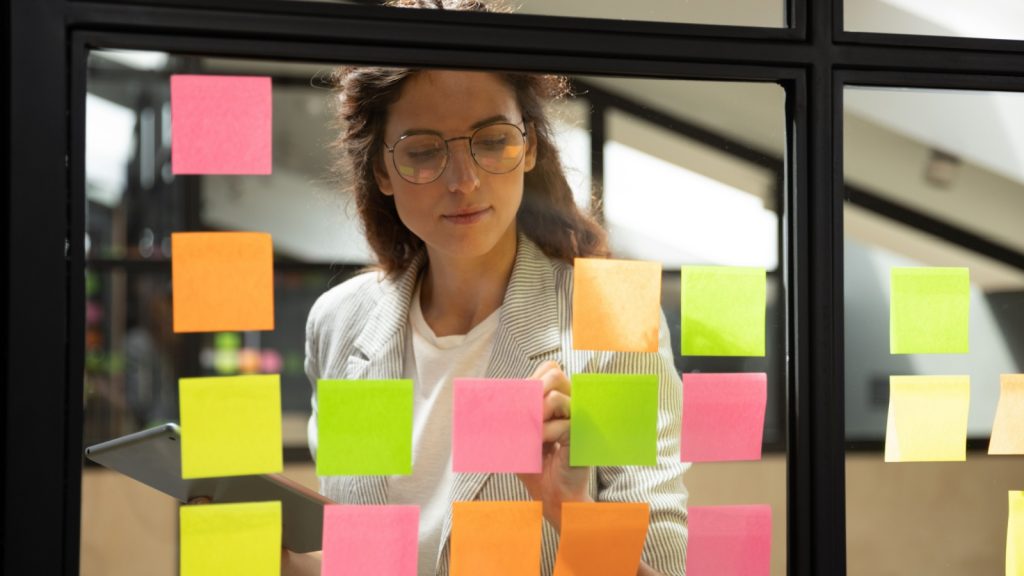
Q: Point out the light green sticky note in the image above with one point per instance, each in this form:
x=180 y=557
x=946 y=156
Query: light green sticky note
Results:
x=230 y=426
x=231 y=539
x=614 y=420
x=723 y=310
x=364 y=427
x=929 y=309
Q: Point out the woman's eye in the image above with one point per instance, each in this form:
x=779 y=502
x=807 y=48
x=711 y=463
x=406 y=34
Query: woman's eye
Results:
x=423 y=154
x=495 y=143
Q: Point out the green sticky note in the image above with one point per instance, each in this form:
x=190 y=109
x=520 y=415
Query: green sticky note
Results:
x=723 y=310
x=364 y=427
x=929 y=309
x=231 y=539
x=230 y=426
x=614 y=420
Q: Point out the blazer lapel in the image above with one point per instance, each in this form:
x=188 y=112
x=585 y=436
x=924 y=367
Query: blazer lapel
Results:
x=378 y=354
x=528 y=334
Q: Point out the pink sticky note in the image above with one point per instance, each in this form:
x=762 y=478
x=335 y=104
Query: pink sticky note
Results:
x=497 y=425
x=729 y=541
x=723 y=417
x=380 y=540
x=220 y=124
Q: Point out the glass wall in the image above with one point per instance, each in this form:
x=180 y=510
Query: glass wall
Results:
x=759 y=13
x=688 y=173
x=933 y=179
x=999 y=19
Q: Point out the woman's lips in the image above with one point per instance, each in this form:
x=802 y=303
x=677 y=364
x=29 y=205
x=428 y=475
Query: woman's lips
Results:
x=468 y=216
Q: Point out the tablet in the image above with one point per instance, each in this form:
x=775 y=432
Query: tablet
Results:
x=153 y=457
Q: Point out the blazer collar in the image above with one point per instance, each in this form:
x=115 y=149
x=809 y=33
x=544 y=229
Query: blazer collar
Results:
x=527 y=324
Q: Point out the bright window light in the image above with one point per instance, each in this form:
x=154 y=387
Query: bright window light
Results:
x=657 y=210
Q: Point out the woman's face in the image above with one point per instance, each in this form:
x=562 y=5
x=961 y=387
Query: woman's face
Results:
x=467 y=211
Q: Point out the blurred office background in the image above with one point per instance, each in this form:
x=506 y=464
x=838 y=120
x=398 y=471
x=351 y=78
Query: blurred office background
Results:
x=680 y=171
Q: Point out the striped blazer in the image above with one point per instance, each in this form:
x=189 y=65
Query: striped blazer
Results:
x=357 y=331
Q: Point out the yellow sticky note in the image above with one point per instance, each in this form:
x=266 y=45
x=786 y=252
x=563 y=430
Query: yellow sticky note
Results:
x=231 y=539
x=230 y=426
x=1015 y=535
x=927 y=419
x=616 y=305
x=1008 y=427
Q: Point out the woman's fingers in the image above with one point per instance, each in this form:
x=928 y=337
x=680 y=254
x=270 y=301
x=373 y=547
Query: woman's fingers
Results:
x=556 y=431
x=556 y=405
x=553 y=378
x=544 y=368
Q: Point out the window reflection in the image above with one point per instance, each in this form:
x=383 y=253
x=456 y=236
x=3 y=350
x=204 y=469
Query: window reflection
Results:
x=1001 y=19
x=932 y=179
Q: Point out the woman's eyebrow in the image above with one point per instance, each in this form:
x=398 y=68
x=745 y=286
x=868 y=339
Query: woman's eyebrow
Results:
x=478 y=124
x=491 y=120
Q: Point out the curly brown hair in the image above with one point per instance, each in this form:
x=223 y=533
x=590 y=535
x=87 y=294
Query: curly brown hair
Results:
x=548 y=215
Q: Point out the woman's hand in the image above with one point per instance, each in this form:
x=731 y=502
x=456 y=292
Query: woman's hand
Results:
x=557 y=482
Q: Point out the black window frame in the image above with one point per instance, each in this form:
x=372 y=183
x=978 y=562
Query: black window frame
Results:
x=813 y=59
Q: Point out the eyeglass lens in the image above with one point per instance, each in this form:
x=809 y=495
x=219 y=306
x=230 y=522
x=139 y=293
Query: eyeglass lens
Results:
x=497 y=148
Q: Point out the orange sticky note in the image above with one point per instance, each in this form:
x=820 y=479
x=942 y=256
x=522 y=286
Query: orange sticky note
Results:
x=605 y=538
x=496 y=538
x=616 y=305
x=222 y=281
x=1008 y=428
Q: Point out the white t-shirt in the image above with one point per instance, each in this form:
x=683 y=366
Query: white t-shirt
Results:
x=432 y=362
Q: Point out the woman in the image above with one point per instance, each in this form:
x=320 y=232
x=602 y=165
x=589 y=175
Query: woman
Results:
x=465 y=204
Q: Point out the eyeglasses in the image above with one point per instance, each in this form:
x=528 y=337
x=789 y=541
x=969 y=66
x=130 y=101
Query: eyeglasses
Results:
x=421 y=158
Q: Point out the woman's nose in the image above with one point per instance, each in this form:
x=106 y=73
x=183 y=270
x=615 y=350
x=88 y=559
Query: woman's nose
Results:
x=462 y=169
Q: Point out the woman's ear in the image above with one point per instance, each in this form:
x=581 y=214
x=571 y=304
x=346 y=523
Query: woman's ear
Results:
x=380 y=174
x=531 y=148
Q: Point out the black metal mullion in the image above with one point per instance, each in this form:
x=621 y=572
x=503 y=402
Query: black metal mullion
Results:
x=598 y=118
x=40 y=484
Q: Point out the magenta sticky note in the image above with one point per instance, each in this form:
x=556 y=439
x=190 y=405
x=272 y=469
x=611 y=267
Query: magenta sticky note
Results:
x=497 y=425
x=723 y=417
x=220 y=124
x=379 y=540
x=729 y=541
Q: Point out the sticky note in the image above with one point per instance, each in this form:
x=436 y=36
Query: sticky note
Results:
x=723 y=416
x=1008 y=427
x=723 y=310
x=1015 y=535
x=379 y=540
x=614 y=420
x=222 y=281
x=230 y=425
x=729 y=541
x=364 y=427
x=231 y=539
x=605 y=538
x=929 y=309
x=616 y=305
x=496 y=538
x=927 y=418
x=221 y=124
x=497 y=425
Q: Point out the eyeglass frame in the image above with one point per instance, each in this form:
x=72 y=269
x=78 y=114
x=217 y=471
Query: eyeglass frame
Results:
x=524 y=131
